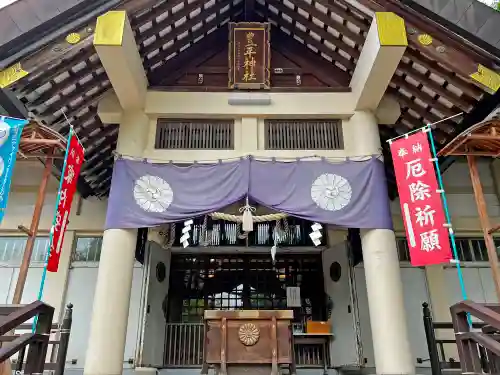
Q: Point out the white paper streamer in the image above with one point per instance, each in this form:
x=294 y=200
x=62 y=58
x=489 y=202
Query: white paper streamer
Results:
x=316 y=235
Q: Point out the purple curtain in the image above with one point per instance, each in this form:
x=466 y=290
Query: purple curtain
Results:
x=148 y=195
x=349 y=194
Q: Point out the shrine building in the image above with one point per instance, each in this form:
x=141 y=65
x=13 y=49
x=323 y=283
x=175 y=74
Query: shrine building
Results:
x=236 y=158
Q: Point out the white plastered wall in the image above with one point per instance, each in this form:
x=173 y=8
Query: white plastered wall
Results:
x=443 y=281
x=88 y=216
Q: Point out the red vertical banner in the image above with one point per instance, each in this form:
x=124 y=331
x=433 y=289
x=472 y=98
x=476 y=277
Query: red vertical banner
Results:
x=421 y=205
x=67 y=189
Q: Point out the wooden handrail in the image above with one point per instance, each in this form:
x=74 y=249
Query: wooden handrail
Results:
x=482 y=339
x=479 y=351
x=8 y=350
x=36 y=342
x=483 y=312
x=22 y=314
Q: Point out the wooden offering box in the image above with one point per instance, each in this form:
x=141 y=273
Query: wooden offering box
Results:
x=248 y=341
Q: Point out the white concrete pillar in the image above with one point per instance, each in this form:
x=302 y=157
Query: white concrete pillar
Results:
x=385 y=301
x=108 y=329
x=383 y=277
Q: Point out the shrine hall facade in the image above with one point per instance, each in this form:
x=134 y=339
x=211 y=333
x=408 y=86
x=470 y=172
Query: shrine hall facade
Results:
x=196 y=113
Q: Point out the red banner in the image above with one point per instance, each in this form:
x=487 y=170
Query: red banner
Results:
x=74 y=161
x=421 y=205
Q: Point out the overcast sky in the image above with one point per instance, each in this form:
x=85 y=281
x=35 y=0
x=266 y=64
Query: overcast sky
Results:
x=7 y=2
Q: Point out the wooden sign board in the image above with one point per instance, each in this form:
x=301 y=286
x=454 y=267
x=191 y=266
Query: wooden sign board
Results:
x=249 y=56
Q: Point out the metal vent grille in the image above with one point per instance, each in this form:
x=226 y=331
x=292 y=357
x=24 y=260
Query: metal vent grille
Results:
x=303 y=135
x=195 y=134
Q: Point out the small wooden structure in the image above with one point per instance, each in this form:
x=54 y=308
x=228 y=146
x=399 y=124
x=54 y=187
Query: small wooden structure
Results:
x=248 y=341
x=480 y=140
x=37 y=142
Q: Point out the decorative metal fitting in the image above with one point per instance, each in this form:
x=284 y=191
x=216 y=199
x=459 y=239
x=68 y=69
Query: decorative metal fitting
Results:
x=441 y=49
x=249 y=334
x=425 y=39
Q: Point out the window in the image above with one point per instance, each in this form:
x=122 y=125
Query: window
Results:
x=194 y=134
x=303 y=135
x=12 y=250
x=244 y=281
x=87 y=249
x=469 y=249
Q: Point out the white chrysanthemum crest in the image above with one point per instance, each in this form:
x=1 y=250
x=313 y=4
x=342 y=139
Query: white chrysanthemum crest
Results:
x=331 y=192
x=153 y=194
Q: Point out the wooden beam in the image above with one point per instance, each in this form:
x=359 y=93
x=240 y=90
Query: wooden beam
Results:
x=357 y=38
x=446 y=36
x=26 y=86
x=297 y=89
x=342 y=29
x=148 y=63
x=116 y=46
x=333 y=7
x=249 y=10
x=61 y=48
x=458 y=55
x=325 y=71
x=423 y=96
x=468 y=88
x=155 y=11
x=173 y=69
x=450 y=96
x=348 y=64
x=185 y=27
x=33 y=229
x=483 y=137
x=169 y=20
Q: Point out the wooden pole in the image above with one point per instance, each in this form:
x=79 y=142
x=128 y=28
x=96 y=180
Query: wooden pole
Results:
x=28 y=250
x=485 y=222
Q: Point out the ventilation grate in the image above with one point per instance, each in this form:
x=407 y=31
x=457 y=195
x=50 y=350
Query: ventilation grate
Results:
x=195 y=134
x=303 y=135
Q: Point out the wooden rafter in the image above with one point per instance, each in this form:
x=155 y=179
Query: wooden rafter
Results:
x=325 y=34
x=60 y=48
x=331 y=74
x=38 y=141
x=197 y=53
x=458 y=56
x=482 y=139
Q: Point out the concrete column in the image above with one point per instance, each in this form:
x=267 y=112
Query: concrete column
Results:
x=385 y=300
x=108 y=329
x=383 y=278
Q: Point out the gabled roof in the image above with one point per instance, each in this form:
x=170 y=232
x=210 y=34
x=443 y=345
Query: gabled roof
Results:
x=66 y=78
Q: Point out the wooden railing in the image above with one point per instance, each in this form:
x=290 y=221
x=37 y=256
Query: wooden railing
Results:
x=184 y=348
x=440 y=349
x=32 y=348
x=478 y=350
